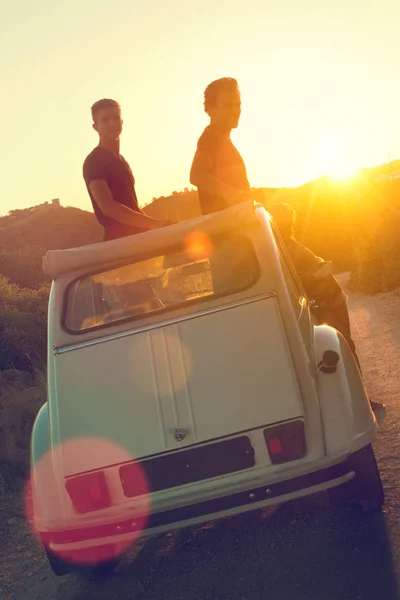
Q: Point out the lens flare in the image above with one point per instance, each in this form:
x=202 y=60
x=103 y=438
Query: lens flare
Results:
x=54 y=515
x=198 y=246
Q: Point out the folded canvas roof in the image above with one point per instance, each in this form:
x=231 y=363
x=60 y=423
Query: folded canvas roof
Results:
x=59 y=262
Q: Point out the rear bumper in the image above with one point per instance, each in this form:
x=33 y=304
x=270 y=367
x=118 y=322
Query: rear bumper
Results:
x=125 y=530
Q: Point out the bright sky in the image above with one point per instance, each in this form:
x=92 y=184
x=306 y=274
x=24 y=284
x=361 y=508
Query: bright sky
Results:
x=319 y=83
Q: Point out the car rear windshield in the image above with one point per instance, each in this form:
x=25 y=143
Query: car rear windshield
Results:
x=202 y=270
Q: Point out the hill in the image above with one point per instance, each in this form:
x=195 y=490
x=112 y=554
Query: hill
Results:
x=341 y=221
x=25 y=235
x=48 y=226
x=335 y=219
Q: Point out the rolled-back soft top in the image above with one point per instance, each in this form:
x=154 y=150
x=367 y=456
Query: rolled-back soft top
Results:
x=60 y=262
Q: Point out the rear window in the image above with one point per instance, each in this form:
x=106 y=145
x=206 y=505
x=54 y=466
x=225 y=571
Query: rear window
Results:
x=186 y=276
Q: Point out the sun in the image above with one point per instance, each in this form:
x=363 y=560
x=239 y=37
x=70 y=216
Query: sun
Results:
x=333 y=155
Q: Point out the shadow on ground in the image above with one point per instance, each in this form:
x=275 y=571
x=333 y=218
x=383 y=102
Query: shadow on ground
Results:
x=306 y=549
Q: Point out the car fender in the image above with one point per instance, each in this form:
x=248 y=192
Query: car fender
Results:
x=44 y=489
x=40 y=441
x=348 y=421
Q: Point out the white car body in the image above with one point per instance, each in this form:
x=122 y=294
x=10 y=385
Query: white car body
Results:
x=186 y=391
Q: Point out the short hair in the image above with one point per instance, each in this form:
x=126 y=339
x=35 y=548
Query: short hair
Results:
x=103 y=103
x=284 y=216
x=226 y=84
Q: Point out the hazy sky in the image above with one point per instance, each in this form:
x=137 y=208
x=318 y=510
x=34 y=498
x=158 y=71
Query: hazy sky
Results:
x=319 y=81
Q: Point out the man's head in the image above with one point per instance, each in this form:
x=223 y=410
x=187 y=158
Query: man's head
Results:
x=107 y=120
x=222 y=103
x=284 y=216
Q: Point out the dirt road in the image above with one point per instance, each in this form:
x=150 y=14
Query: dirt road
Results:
x=305 y=550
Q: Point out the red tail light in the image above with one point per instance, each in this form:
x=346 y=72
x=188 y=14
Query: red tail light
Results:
x=88 y=492
x=285 y=442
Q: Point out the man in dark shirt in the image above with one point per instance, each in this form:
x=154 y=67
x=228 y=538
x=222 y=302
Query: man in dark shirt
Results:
x=109 y=179
x=218 y=170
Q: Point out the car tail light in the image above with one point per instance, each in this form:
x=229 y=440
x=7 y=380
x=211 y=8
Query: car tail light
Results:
x=285 y=442
x=88 y=492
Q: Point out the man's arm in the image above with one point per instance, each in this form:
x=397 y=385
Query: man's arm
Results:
x=110 y=208
x=304 y=260
x=201 y=177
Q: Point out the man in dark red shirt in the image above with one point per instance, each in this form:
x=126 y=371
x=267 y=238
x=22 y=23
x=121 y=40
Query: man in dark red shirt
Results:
x=110 y=181
x=218 y=170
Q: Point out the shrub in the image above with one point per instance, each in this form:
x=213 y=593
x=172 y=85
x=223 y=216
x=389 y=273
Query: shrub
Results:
x=377 y=266
x=23 y=326
x=18 y=409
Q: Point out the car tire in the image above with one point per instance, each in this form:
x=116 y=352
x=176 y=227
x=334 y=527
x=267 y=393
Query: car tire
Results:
x=99 y=572
x=58 y=565
x=365 y=490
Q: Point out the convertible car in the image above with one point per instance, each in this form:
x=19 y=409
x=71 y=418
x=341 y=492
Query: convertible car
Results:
x=189 y=380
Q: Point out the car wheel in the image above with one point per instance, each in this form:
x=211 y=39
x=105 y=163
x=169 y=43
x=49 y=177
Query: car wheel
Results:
x=101 y=571
x=61 y=567
x=57 y=564
x=365 y=490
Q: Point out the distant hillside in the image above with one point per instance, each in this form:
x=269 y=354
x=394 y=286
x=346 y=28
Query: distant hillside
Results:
x=334 y=219
x=50 y=227
x=25 y=235
x=332 y=216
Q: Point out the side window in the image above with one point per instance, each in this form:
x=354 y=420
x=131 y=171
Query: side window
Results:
x=296 y=291
x=295 y=287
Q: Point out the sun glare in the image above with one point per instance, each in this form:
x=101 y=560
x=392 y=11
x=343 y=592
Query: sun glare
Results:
x=333 y=154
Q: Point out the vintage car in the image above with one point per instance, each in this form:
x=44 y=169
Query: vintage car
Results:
x=189 y=380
